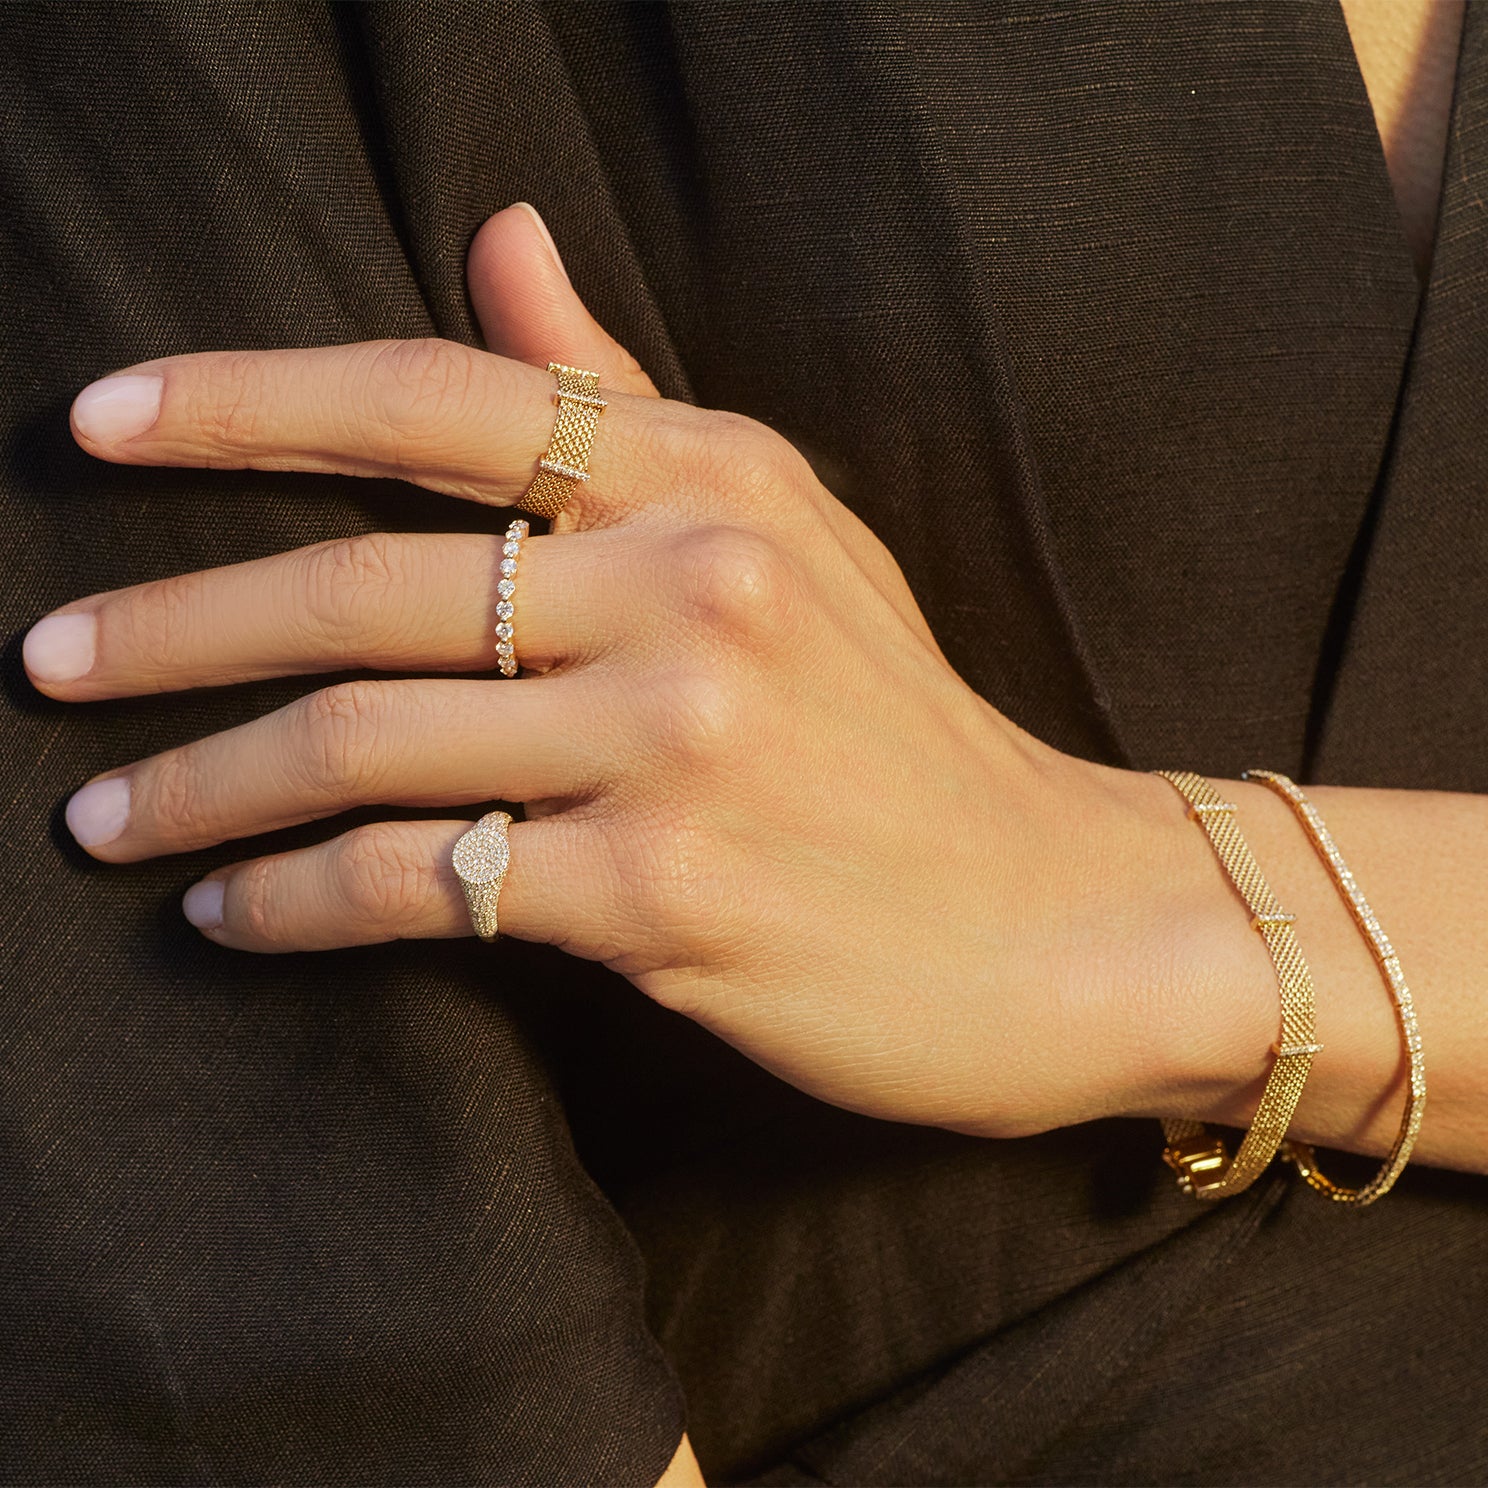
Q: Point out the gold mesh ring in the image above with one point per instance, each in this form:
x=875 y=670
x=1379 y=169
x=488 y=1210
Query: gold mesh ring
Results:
x=566 y=464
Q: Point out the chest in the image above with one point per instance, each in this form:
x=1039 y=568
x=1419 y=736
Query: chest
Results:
x=1407 y=53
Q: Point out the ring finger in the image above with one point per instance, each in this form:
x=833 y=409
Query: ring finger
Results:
x=407 y=743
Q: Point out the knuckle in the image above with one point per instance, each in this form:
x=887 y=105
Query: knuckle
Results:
x=416 y=388
x=674 y=881
x=158 y=623
x=176 y=798
x=259 y=910
x=699 y=719
x=379 y=881
x=738 y=580
x=228 y=401
x=339 y=734
x=751 y=462
x=350 y=585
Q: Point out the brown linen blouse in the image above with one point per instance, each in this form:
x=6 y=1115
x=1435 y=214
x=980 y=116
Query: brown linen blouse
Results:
x=1102 y=316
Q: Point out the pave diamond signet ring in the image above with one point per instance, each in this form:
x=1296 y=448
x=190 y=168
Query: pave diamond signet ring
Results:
x=481 y=857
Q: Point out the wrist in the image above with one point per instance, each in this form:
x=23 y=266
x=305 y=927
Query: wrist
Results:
x=1219 y=1006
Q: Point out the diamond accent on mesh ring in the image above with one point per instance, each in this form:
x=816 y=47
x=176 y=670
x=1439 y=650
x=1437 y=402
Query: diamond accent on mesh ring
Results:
x=511 y=548
x=568 y=472
x=565 y=466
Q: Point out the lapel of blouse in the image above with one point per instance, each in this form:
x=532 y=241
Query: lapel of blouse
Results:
x=1193 y=267
x=1401 y=698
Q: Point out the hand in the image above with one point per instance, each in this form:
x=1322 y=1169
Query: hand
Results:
x=753 y=784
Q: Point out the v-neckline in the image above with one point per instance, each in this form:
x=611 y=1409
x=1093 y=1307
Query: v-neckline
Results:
x=1381 y=162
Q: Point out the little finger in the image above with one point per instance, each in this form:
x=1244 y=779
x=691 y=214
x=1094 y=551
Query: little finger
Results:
x=395 y=881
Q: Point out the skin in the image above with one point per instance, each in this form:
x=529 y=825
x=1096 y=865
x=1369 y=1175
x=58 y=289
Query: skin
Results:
x=1407 y=53
x=753 y=785
x=683 y=1471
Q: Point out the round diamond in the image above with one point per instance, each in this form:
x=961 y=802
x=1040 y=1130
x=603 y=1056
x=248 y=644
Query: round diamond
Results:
x=505 y=610
x=505 y=648
x=511 y=548
x=503 y=632
x=508 y=667
x=508 y=566
x=519 y=528
x=506 y=588
x=482 y=854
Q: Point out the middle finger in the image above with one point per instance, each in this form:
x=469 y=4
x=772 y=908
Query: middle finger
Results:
x=390 y=602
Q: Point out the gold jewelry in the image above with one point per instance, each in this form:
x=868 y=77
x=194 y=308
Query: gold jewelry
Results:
x=506 y=651
x=566 y=463
x=481 y=858
x=1301 y=1153
x=1196 y=1155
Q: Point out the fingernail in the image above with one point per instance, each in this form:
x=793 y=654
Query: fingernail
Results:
x=547 y=237
x=98 y=813
x=202 y=904
x=60 y=648
x=116 y=408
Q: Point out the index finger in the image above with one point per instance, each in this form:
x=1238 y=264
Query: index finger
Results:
x=442 y=415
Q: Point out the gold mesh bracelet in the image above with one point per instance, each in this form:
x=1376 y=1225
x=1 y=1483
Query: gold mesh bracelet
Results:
x=1197 y=1155
x=1301 y=1153
x=566 y=464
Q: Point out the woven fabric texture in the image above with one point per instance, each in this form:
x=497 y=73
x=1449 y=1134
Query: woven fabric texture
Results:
x=1102 y=316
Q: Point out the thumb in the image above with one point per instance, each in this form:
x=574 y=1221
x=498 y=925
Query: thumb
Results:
x=528 y=310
